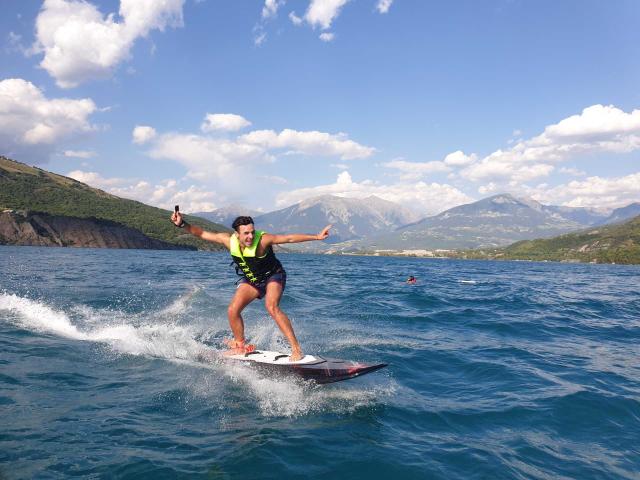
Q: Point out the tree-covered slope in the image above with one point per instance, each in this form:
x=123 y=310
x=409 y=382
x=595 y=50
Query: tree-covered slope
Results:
x=29 y=188
x=618 y=243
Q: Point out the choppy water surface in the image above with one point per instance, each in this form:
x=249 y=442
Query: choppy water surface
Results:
x=497 y=370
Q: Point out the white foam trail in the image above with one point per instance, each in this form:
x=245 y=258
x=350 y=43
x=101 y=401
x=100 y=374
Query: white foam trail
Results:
x=355 y=339
x=170 y=342
x=167 y=341
x=467 y=281
x=279 y=397
x=180 y=304
x=266 y=334
x=291 y=397
x=40 y=317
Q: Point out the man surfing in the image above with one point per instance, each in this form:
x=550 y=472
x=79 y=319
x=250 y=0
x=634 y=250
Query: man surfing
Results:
x=262 y=275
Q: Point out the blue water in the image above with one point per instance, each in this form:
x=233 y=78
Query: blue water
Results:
x=498 y=370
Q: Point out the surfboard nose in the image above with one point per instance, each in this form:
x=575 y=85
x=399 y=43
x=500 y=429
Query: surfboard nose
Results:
x=364 y=368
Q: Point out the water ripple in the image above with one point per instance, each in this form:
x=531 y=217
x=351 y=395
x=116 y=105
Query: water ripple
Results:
x=496 y=370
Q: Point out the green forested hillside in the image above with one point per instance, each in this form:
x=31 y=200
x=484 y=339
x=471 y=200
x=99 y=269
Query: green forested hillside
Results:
x=618 y=243
x=27 y=188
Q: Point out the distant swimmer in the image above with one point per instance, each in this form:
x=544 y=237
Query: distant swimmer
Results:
x=262 y=275
x=412 y=280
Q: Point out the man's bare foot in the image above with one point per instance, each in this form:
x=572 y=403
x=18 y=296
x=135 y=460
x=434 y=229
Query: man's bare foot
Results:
x=233 y=343
x=238 y=347
x=296 y=355
x=239 y=351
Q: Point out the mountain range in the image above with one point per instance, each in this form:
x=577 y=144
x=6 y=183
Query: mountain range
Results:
x=352 y=218
x=372 y=224
x=491 y=222
x=622 y=214
x=369 y=224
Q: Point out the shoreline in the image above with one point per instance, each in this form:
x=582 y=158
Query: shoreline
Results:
x=189 y=248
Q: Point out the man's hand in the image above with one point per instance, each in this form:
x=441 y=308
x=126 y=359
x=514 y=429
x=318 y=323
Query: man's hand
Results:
x=176 y=218
x=324 y=233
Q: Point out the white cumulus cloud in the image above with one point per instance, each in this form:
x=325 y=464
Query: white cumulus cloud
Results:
x=296 y=20
x=383 y=6
x=80 y=44
x=308 y=143
x=95 y=180
x=224 y=121
x=598 y=129
x=79 y=153
x=143 y=133
x=593 y=191
x=321 y=13
x=594 y=124
x=164 y=194
x=458 y=158
x=327 y=36
x=206 y=157
x=259 y=38
x=231 y=161
x=270 y=8
x=31 y=125
x=416 y=170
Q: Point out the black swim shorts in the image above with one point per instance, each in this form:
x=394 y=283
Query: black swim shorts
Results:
x=280 y=277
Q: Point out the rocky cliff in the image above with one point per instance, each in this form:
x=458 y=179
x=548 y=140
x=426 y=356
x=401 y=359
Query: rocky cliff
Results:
x=40 y=229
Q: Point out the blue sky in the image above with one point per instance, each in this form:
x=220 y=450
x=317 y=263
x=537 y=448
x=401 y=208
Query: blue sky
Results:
x=265 y=103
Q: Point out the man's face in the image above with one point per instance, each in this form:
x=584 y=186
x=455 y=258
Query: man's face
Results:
x=245 y=234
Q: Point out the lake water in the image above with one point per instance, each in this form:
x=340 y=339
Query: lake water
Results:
x=497 y=370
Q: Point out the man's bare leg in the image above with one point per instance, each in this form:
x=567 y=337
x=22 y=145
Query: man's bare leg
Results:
x=272 y=304
x=244 y=295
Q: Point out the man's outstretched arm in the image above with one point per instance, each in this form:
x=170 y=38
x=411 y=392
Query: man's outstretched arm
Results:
x=219 y=237
x=269 y=239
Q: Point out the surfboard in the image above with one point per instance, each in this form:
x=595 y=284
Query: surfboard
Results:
x=311 y=367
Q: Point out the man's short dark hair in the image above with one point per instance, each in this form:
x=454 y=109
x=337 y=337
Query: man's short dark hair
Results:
x=241 y=221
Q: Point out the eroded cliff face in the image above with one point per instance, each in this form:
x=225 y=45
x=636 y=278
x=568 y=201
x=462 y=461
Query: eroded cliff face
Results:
x=39 y=229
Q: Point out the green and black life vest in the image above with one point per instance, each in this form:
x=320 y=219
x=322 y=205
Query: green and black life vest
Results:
x=253 y=268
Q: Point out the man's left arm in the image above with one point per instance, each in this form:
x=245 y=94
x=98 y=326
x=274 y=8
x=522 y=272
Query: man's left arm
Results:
x=269 y=239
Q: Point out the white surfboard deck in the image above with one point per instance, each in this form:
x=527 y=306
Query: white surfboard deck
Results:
x=273 y=358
